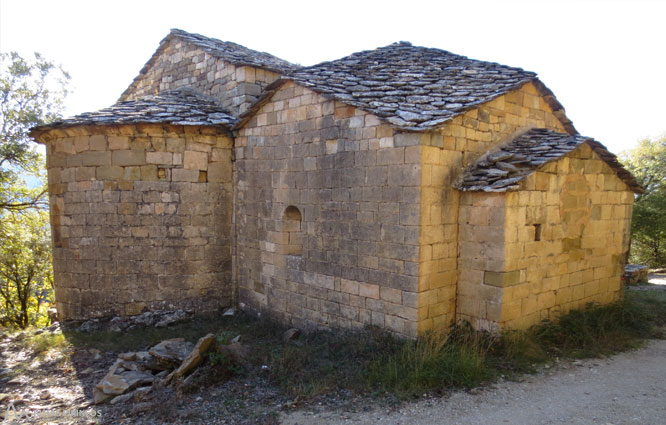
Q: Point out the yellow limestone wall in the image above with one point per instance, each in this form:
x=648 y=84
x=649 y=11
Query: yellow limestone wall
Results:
x=482 y=252
x=443 y=157
x=582 y=213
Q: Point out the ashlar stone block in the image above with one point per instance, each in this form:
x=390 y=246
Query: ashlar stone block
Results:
x=194 y=160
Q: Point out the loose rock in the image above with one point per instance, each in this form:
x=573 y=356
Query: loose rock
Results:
x=171 y=352
x=113 y=385
x=194 y=358
x=290 y=334
x=171 y=318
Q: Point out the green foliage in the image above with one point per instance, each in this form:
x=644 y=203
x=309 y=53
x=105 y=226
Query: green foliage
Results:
x=46 y=341
x=223 y=366
x=435 y=361
x=648 y=229
x=606 y=329
x=31 y=93
x=26 y=282
x=371 y=360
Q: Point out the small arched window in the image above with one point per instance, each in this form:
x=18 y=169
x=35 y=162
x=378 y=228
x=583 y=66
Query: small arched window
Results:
x=292 y=230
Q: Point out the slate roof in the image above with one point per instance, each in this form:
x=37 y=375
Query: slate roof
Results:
x=177 y=107
x=413 y=88
x=235 y=53
x=503 y=170
x=230 y=52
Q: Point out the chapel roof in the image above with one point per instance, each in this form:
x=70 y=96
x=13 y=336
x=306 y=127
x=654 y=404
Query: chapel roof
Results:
x=227 y=51
x=416 y=88
x=235 y=53
x=502 y=170
x=176 y=107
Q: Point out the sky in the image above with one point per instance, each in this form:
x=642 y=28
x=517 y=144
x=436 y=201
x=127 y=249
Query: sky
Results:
x=605 y=60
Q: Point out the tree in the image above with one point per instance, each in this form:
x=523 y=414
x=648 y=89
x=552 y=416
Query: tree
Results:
x=31 y=93
x=647 y=162
x=26 y=279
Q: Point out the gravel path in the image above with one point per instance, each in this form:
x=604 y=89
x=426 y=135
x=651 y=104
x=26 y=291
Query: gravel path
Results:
x=629 y=388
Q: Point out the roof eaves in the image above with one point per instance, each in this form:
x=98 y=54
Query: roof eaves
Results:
x=611 y=160
x=197 y=110
x=434 y=124
x=501 y=157
x=38 y=131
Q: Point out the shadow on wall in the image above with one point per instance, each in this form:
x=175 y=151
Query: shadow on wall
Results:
x=292 y=231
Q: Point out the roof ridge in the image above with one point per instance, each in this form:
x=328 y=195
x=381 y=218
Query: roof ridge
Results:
x=216 y=47
x=233 y=53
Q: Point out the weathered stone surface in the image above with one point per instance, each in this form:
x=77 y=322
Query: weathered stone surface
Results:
x=100 y=397
x=502 y=279
x=131 y=222
x=135 y=378
x=113 y=385
x=122 y=398
x=172 y=318
x=195 y=357
x=290 y=334
x=171 y=352
x=141 y=393
x=124 y=375
x=131 y=356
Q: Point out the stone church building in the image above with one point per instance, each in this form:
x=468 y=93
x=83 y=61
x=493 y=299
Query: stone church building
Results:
x=403 y=187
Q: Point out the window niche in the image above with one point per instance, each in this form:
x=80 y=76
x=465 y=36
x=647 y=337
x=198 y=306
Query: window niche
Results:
x=292 y=230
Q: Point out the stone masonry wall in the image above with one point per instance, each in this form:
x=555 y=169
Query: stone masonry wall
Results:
x=482 y=231
x=443 y=156
x=141 y=218
x=180 y=64
x=565 y=240
x=356 y=188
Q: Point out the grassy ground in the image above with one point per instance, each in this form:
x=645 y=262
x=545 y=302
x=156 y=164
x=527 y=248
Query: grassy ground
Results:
x=374 y=362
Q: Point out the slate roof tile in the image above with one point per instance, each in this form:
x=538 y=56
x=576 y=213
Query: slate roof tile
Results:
x=177 y=107
x=413 y=88
x=504 y=169
x=235 y=53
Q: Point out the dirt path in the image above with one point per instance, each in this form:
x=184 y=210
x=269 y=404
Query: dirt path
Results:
x=657 y=279
x=629 y=388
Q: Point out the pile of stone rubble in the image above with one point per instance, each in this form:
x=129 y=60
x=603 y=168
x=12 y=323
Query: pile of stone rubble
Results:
x=158 y=319
x=133 y=374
